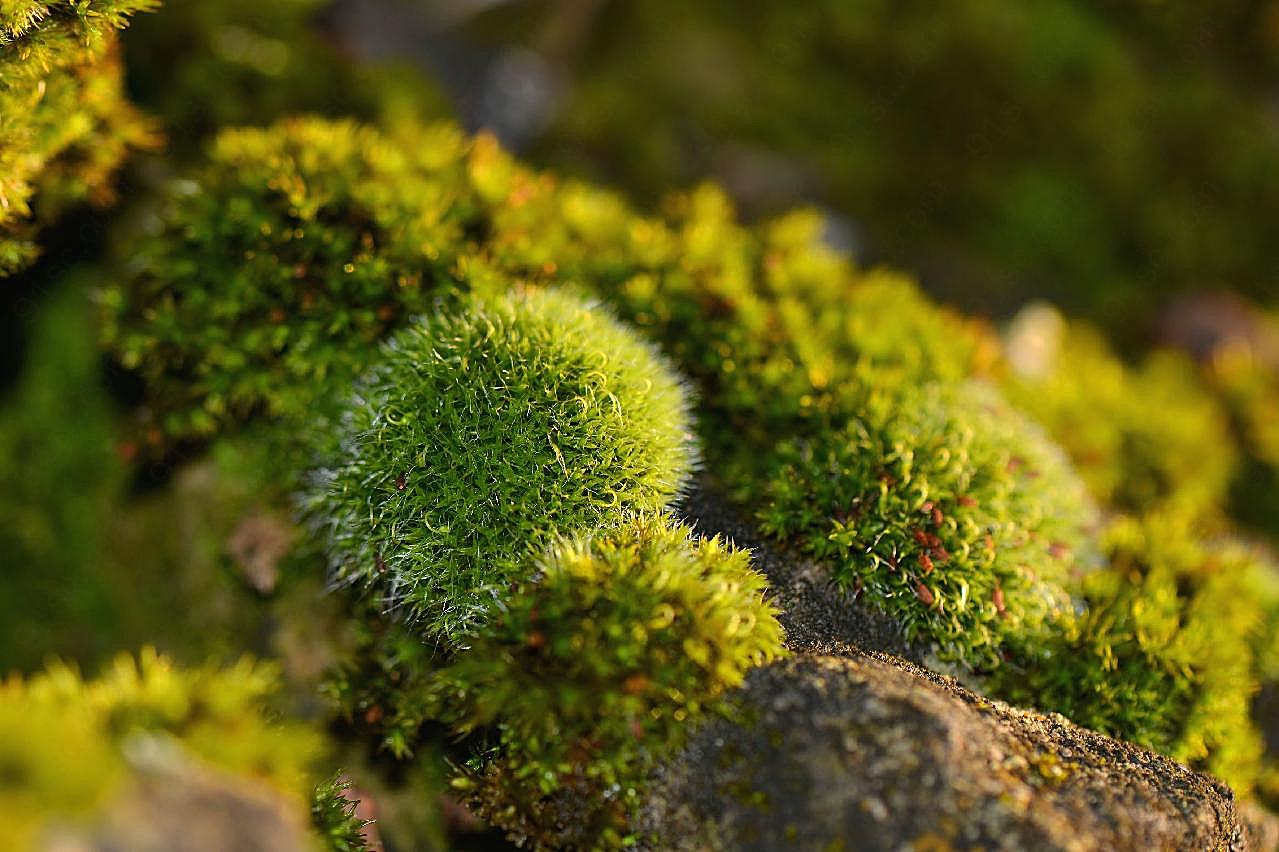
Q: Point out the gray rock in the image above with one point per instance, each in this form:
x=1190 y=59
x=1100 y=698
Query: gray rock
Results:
x=871 y=752
x=817 y=615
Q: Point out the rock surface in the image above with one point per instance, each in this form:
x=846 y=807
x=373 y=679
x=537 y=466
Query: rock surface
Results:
x=868 y=751
x=186 y=807
x=817 y=615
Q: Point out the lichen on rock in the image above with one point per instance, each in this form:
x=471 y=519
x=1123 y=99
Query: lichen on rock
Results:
x=871 y=752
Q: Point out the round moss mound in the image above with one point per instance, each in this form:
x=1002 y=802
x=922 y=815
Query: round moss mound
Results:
x=599 y=666
x=941 y=506
x=484 y=431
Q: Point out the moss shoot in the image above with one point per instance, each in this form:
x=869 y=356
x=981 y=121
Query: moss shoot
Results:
x=65 y=125
x=484 y=431
x=603 y=663
x=281 y=266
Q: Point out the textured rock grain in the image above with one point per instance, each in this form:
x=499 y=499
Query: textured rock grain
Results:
x=871 y=752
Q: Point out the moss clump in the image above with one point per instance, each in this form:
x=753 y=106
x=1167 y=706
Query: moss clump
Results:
x=1168 y=650
x=65 y=124
x=1142 y=438
x=779 y=331
x=214 y=715
x=941 y=506
x=485 y=430
x=602 y=663
x=279 y=270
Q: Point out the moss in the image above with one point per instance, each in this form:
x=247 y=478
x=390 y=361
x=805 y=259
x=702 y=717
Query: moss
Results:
x=1168 y=650
x=65 y=125
x=217 y=716
x=782 y=334
x=1243 y=375
x=1143 y=438
x=602 y=664
x=381 y=686
x=334 y=818
x=482 y=432
x=939 y=505
x=278 y=272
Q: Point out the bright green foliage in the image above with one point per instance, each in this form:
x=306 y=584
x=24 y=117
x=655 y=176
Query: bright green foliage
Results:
x=63 y=740
x=483 y=431
x=1141 y=437
x=603 y=662
x=940 y=505
x=295 y=252
x=1175 y=634
x=764 y=316
x=333 y=817
x=781 y=333
x=768 y=319
x=1243 y=373
x=65 y=125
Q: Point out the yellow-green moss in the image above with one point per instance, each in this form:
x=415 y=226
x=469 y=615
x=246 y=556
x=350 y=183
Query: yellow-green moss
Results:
x=64 y=741
x=602 y=663
x=1142 y=437
x=1168 y=650
x=65 y=125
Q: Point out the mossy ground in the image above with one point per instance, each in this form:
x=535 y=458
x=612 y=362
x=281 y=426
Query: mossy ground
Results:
x=464 y=353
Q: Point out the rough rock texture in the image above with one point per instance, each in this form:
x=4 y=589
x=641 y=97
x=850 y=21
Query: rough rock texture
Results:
x=818 y=615
x=190 y=808
x=872 y=752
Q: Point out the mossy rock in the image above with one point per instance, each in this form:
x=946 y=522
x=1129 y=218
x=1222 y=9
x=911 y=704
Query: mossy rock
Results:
x=599 y=667
x=869 y=752
x=938 y=504
x=1167 y=649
